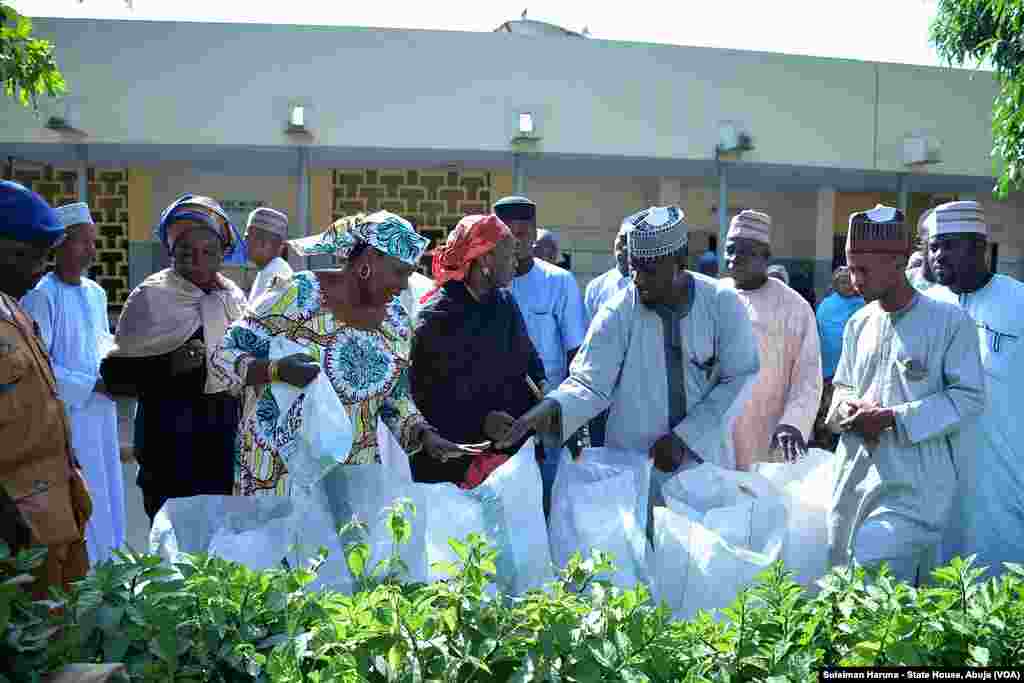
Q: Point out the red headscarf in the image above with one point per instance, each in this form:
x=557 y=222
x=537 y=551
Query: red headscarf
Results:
x=473 y=237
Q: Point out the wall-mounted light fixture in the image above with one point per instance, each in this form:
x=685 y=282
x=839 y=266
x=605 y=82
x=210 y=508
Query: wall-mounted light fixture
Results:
x=921 y=149
x=732 y=139
x=526 y=127
x=67 y=120
x=297 y=119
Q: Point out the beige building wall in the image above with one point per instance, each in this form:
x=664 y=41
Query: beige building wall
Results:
x=586 y=213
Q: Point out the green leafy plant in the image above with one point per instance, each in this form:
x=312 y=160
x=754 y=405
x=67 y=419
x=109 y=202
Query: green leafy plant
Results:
x=28 y=67
x=207 y=619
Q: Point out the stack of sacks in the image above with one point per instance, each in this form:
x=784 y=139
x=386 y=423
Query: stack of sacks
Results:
x=807 y=488
x=720 y=529
x=600 y=502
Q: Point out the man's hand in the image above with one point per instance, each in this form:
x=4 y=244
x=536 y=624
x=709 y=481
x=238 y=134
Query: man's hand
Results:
x=669 y=453
x=443 y=450
x=188 y=358
x=867 y=419
x=537 y=418
x=497 y=424
x=298 y=369
x=790 y=441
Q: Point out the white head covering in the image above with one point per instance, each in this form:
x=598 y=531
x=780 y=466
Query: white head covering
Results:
x=74 y=214
x=751 y=225
x=955 y=218
x=269 y=220
x=657 y=231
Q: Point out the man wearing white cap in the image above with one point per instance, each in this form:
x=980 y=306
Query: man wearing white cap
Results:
x=672 y=357
x=71 y=311
x=265 y=234
x=785 y=400
x=908 y=379
x=988 y=515
x=599 y=291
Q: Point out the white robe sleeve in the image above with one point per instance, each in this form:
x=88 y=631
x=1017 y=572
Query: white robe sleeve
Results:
x=739 y=363
x=571 y=316
x=74 y=387
x=805 y=381
x=964 y=393
x=594 y=374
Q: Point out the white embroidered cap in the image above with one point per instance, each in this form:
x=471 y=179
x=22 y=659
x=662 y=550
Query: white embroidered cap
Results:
x=74 y=214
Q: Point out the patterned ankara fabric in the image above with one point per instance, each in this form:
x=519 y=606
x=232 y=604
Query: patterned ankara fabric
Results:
x=369 y=369
x=384 y=231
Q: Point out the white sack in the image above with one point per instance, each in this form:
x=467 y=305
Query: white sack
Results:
x=601 y=502
x=323 y=434
x=807 y=491
x=258 y=531
x=720 y=530
x=364 y=492
x=506 y=509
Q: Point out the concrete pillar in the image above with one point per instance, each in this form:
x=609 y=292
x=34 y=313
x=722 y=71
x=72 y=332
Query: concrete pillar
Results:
x=824 y=240
x=723 y=213
x=302 y=195
x=670 y=192
x=903 y=195
x=518 y=174
x=82 y=156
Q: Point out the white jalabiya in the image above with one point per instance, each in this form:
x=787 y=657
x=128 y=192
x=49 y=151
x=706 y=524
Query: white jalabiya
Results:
x=892 y=499
x=988 y=515
x=601 y=289
x=624 y=363
x=788 y=388
x=75 y=330
x=277 y=268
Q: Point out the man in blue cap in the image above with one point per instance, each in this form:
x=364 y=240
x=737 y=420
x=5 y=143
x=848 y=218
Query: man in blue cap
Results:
x=37 y=465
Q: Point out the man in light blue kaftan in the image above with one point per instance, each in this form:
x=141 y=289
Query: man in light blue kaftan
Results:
x=549 y=299
x=988 y=514
x=71 y=311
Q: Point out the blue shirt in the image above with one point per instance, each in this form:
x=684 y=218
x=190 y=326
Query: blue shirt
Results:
x=552 y=307
x=833 y=313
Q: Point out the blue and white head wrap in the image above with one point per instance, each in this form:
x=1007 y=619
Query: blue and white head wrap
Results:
x=384 y=231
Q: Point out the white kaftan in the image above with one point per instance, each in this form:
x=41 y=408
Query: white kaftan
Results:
x=788 y=388
x=277 y=268
x=892 y=499
x=988 y=515
x=624 y=364
x=601 y=289
x=552 y=307
x=75 y=331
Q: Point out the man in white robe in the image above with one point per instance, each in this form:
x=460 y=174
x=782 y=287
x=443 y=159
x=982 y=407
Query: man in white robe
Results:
x=988 y=515
x=672 y=356
x=265 y=235
x=71 y=311
x=779 y=415
x=908 y=379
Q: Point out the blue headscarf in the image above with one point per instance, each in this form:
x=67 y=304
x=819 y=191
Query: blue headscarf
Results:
x=207 y=211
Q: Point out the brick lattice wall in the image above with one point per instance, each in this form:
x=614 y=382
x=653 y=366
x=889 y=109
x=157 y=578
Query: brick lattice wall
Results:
x=108 y=201
x=433 y=200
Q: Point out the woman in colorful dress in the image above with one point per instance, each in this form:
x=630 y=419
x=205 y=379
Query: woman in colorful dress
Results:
x=354 y=328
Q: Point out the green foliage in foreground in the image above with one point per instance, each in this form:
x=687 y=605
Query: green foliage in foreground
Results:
x=212 y=620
